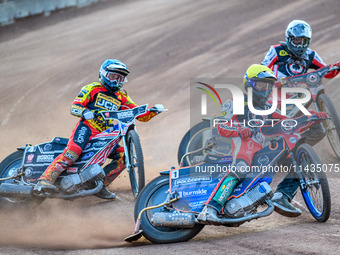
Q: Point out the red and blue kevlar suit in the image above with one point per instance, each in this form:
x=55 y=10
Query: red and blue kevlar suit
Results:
x=244 y=148
x=284 y=64
x=91 y=97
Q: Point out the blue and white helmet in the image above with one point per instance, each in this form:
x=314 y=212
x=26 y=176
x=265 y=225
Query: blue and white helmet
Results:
x=112 y=74
x=298 y=37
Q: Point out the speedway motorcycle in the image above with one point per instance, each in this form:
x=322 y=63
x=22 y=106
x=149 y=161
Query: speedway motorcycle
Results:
x=167 y=208
x=201 y=139
x=20 y=171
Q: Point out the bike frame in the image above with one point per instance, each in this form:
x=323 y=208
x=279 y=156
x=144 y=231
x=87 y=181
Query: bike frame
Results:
x=95 y=152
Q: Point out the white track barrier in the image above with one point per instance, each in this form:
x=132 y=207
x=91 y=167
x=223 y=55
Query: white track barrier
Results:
x=10 y=10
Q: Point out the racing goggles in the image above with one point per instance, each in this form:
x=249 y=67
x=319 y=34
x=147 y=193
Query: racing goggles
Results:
x=114 y=76
x=262 y=85
x=303 y=41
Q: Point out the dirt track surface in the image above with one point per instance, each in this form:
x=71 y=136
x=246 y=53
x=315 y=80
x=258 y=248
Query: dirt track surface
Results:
x=46 y=60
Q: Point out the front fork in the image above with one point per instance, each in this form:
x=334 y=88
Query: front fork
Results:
x=302 y=181
x=127 y=152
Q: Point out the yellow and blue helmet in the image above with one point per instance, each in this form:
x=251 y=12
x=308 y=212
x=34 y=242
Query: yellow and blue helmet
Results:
x=261 y=79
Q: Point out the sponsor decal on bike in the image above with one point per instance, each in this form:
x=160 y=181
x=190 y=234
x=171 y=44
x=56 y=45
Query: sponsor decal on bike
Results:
x=32 y=149
x=313 y=79
x=45 y=158
x=30 y=158
x=28 y=172
x=263 y=160
x=48 y=147
x=293 y=139
x=193 y=193
x=193 y=180
x=88 y=155
x=196 y=204
x=127 y=114
x=99 y=144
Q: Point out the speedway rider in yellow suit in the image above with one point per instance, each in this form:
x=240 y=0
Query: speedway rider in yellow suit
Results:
x=103 y=95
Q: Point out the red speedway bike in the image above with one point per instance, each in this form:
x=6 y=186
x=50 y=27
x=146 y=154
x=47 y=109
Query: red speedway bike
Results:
x=202 y=139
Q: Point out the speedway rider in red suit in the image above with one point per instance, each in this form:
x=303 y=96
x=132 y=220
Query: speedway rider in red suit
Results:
x=261 y=79
x=103 y=95
x=289 y=58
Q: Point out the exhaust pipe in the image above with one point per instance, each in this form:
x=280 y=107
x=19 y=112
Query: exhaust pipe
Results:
x=15 y=190
x=183 y=220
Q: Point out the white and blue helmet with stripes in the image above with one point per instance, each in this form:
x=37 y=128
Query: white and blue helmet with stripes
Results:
x=112 y=74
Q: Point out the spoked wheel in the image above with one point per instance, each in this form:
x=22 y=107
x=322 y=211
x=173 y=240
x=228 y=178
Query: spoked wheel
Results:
x=153 y=194
x=7 y=168
x=316 y=191
x=136 y=159
x=332 y=125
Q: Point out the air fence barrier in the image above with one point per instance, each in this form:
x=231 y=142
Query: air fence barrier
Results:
x=10 y=10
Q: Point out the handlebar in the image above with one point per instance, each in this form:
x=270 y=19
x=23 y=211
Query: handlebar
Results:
x=334 y=68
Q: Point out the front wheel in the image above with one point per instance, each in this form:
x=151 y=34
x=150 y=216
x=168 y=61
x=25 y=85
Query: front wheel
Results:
x=136 y=159
x=315 y=192
x=7 y=168
x=153 y=194
x=332 y=125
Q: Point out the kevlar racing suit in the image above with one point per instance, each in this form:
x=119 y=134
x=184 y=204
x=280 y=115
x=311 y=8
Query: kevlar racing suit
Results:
x=243 y=149
x=92 y=97
x=284 y=64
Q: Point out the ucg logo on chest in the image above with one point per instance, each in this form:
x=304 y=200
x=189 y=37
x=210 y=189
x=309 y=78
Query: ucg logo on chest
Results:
x=106 y=102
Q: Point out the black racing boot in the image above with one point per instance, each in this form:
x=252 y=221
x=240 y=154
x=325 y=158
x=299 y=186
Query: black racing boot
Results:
x=208 y=214
x=283 y=207
x=105 y=194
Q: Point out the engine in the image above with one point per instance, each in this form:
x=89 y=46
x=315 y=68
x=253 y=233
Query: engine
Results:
x=247 y=203
x=73 y=182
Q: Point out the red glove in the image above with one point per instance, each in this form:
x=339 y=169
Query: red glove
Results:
x=321 y=115
x=244 y=133
x=337 y=64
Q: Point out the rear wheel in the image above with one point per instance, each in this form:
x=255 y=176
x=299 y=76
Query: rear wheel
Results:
x=136 y=159
x=156 y=193
x=7 y=168
x=316 y=191
x=332 y=125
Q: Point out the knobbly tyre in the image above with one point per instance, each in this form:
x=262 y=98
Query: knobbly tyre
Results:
x=20 y=171
x=167 y=208
x=201 y=139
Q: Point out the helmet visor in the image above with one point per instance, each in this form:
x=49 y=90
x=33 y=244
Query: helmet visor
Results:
x=297 y=41
x=113 y=76
x=263 y=86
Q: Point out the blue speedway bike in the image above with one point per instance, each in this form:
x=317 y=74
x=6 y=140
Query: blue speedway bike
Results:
x=20 y=171
x=167 y=208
